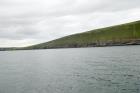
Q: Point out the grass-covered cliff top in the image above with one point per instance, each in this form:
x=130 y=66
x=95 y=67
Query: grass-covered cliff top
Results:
x=120 y=34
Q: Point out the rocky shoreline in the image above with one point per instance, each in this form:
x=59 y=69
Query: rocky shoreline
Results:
x=95 y=44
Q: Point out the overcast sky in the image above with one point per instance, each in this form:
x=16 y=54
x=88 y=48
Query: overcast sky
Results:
x=27 y=22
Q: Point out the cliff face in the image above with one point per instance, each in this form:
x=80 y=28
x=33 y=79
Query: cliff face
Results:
x=124 y=34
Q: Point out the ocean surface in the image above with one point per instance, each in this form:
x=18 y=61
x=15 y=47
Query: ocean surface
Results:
x=73 y=70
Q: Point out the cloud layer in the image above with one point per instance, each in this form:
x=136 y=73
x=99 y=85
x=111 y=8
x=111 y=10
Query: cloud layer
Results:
x=27 y=22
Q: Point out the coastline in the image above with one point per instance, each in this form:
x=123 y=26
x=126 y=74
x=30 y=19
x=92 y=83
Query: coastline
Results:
x=97 y=44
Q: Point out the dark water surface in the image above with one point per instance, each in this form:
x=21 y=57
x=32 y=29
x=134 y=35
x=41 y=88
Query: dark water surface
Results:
x=77 y=70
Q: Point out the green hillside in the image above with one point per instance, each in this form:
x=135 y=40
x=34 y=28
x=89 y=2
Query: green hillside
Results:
x=124 y=34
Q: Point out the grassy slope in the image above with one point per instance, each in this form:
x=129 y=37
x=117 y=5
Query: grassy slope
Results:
x=120 y=34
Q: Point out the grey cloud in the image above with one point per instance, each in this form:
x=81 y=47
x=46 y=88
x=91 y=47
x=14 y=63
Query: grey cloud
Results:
x=91 y=6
